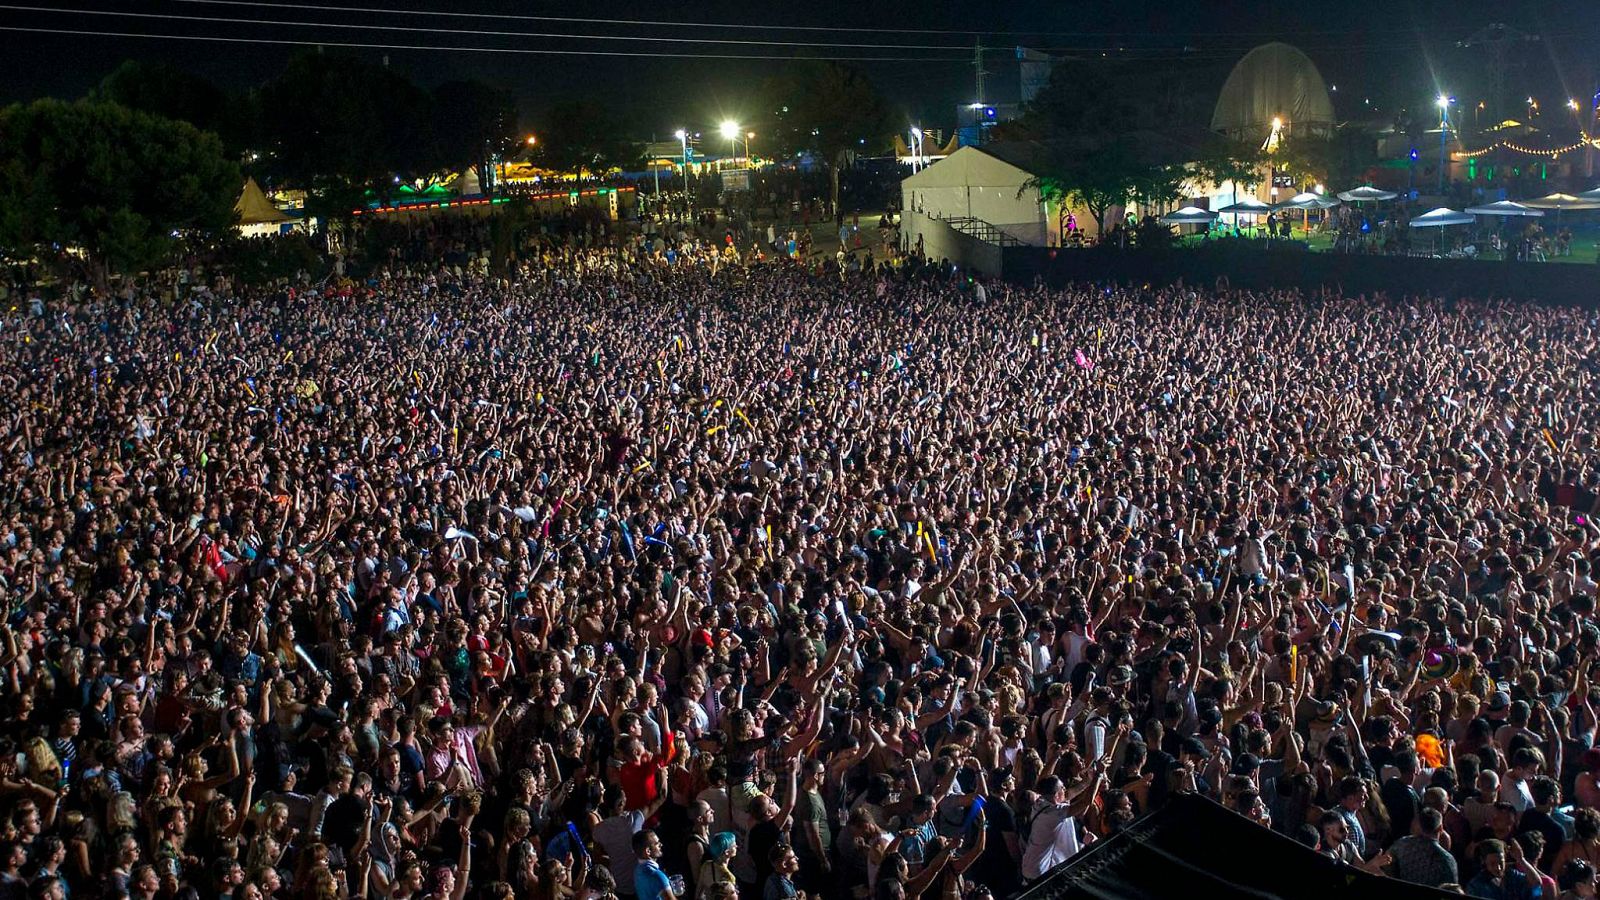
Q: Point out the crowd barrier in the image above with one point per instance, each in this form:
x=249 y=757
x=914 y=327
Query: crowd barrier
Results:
x=1564 y=283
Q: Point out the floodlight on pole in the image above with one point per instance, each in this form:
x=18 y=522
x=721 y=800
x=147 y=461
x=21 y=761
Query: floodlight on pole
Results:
x=1443 y=102
x=732 y=131
x=683 y=138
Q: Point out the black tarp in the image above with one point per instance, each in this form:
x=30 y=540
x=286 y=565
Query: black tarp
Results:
x=1195 y=849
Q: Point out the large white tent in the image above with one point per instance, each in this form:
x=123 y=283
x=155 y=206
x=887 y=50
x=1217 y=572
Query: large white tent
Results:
x=964 y=206
x=1274 y=83
x=972 y=184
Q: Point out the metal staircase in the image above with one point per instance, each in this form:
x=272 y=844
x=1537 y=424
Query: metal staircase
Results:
x=983 y=231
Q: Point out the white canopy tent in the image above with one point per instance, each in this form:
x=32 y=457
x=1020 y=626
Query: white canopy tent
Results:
x=1506 y=208
x=1309 y=201
x=1439 y=218
x=1560 y=201
x=1247 y=206
x=1189 y=215
x=1366 y=193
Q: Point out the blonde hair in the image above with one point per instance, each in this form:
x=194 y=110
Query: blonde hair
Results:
x=43 y=767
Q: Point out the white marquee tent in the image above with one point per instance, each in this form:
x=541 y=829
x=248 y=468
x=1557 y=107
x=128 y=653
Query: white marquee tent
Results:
x=964 y=206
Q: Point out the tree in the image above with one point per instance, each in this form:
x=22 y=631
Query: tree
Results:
x=473 y=123
x=1341 y=158
x=829 y=109
x=115 y=183
x=580 y=135
x=343 y=129
x=1100 y=99
x=1096 y=178
x=1159 y=185
x=1103 y=134
x=165 y=90
x=1233 y=163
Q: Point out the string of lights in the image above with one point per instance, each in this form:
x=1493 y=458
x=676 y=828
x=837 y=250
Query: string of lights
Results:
x=1547 y=153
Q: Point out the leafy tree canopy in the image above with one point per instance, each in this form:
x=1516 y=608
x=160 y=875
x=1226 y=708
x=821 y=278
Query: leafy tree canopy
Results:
x=112 y=182
x=581 y=134
x=341 y=126
x=827 y=109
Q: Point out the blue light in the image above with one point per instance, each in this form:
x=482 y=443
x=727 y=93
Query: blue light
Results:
x=988 y=111
x=1414 y=154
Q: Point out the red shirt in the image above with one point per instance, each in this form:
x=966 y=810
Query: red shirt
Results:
x=638 y=779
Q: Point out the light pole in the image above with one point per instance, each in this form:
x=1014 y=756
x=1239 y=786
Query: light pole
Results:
x=655 y=166
x=916 y=148
x=732 y=132
x=1444 y=132
x=683 y=138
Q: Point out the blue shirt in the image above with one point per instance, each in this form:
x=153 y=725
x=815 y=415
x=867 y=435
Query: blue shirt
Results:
x=1515 y=886
x=778 y=887
x=650 y=883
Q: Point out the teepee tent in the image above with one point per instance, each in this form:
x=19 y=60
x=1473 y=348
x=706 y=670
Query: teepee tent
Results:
x=257 y=215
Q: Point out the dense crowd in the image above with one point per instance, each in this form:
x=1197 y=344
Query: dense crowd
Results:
x=628 y=575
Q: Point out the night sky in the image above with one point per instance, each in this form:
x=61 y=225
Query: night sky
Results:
x=1389 y=53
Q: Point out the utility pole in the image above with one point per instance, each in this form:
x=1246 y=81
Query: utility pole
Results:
x=977 y=67
x=978 y=71
x=1497 y=40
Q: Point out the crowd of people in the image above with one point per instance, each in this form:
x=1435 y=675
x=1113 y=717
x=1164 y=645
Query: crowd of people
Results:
x=641 y=575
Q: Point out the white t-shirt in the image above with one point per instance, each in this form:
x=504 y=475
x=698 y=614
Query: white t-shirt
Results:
x=615 y=836
x=1052 y=840
x=1514 y=790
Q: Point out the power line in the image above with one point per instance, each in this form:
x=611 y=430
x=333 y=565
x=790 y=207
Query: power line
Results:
x=472 y=31
x=968 y=32
x=534 y=51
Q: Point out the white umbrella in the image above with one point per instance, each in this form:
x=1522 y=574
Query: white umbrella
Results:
x=1562 y=201
x=1589 y=195
x=1438 y=218
x=1504 y=208
x=1189 y=215
x=1248 y=206
x=1366 y=192
x=1309 y=201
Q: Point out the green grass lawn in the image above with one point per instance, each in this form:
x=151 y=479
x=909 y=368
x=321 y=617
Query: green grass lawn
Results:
x=1584 y=245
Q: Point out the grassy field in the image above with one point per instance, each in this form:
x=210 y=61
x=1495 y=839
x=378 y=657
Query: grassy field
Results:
x=1585 y=244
